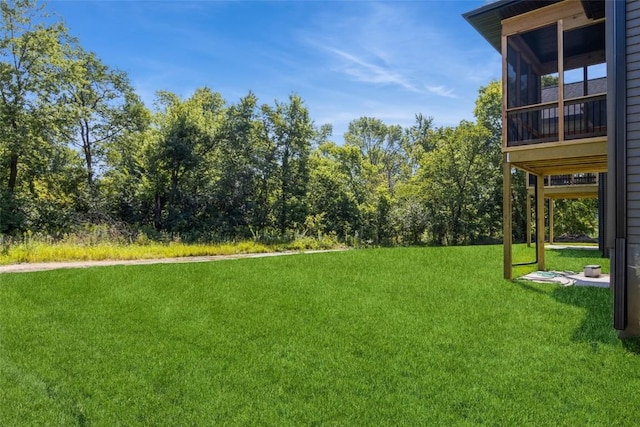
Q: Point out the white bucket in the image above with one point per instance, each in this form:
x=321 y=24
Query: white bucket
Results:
x=592 y=271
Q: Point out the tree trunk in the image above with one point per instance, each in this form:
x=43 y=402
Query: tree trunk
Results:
x=13 y=172
x=284 y=196
x=88 y=158
x=157 y=212
x=86 y=148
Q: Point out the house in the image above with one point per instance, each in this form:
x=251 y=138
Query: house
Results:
x=574 y=45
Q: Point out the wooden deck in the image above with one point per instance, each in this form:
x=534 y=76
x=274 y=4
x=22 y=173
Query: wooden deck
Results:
x=583 y=186
x=560 y=157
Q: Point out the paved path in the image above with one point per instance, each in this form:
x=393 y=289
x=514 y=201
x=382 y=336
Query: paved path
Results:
x=561 y=246
x=567 y=278
x=42 y=266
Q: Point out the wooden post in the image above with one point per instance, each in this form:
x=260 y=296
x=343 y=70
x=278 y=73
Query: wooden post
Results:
x=507 y=217
x=528 y=219
x=560 y=81
x=504 y=92
x=585 y=107
x=540 y=222
x=551 y=221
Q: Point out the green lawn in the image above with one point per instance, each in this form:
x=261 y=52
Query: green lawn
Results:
x=410 y=336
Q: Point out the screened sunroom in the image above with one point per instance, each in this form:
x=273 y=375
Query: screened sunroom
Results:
x=555 y=84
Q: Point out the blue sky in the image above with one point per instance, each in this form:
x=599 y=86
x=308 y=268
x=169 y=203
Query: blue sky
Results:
x=388 y=60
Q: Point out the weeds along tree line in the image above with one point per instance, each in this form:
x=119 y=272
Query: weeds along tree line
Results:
x=79 y=149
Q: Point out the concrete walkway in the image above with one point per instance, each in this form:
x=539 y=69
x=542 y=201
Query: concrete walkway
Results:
x=568 y=278
x=561 y=246
x=43 y=266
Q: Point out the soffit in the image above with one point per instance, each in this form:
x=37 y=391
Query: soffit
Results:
x=487 y=20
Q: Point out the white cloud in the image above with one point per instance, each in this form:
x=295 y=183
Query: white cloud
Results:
x=368 y=72
x=388 y=44
x=442 y=91
x=388 y=60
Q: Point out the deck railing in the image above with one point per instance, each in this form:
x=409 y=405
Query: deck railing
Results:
x=584 y=117
x=532 y=124
x=566 y=180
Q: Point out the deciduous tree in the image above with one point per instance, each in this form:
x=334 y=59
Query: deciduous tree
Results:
x=454 y=176
x=292 y=131
x=35 y=58
x=104 y=107
x=180 y=154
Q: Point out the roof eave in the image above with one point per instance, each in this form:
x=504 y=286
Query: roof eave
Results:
x=487 y=20
x=473 y=17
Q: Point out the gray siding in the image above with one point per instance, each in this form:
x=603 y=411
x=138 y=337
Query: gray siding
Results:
x=633 y=121
x=627 y=291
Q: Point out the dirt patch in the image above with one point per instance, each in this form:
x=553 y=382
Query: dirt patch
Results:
x=43 y=266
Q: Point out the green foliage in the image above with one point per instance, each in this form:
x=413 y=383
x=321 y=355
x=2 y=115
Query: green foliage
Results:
x=488 y=110
x=410 y=215
x=576 y=217
x=519 y=204
x=58 y=195
x=103 y=108
x=179 y=151
x=549 y=80
x=291 y=132
x=331 y=191
x=237 y=198
x=34 y=70
x=369 y=135
x=453 y=177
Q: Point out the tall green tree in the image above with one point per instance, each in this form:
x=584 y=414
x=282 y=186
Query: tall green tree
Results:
x=239 y=163
x=394 y=158
x=488 y=112
x=416 y=142
x=125 y=185
x=35 y=58
x=186 y=133
x=383 y=150
x=332 y=195
x=368 y=134
x=292 y=131
x=104 y=107
x=454 y=176
x=409 y=214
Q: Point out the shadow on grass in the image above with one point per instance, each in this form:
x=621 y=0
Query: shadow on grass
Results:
x=524 y=284
x=597 y=326
x=631 y=344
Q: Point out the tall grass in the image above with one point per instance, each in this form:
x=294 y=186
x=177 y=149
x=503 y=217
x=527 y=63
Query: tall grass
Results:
x=89 y=246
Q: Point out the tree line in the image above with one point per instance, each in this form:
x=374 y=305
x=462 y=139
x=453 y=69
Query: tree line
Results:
x=78 y=147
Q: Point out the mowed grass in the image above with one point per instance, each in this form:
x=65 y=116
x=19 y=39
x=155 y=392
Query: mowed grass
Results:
x=408 y=336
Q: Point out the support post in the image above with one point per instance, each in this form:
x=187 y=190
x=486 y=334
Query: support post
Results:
x=540 y=221
x=602 y=215
x=528 y=219
x=507 y=217
x=560 y=82
x=551 y=221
